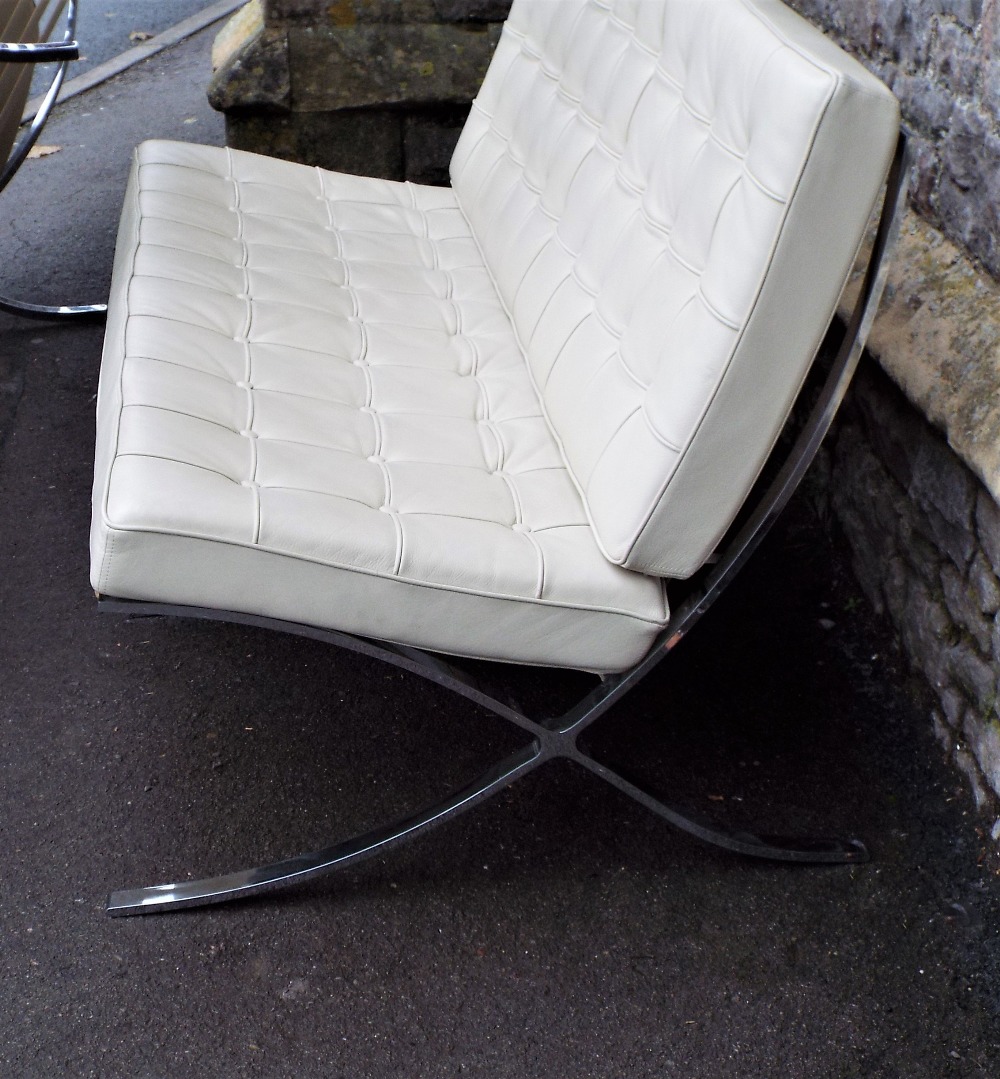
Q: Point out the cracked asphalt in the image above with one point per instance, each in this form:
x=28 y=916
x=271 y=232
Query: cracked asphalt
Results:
x=559 y=930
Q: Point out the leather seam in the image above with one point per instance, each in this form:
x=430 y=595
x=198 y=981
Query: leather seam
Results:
x=127 y=315
x=560 y=605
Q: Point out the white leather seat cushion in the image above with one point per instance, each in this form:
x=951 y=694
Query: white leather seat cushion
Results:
x=313 y=407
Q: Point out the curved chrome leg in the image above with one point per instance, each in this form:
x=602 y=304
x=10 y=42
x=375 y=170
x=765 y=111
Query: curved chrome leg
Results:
x=808 y=851
x=551 y=739
x=246 y=882
x=94 y=312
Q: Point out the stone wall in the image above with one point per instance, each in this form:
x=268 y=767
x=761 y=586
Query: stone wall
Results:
x=915 y=459
x=942 y=59
x=377 y=87
x=925 y=539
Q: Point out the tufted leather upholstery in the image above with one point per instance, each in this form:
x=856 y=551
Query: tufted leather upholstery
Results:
x=441 y=417
x=312 y=406
x=669 y=196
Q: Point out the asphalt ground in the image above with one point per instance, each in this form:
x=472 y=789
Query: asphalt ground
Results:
x=107 y=28
x=112 y=29
x=558 y=931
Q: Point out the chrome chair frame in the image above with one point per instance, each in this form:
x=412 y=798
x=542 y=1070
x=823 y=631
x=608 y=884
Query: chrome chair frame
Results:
x=61 y=53
x=552 y=738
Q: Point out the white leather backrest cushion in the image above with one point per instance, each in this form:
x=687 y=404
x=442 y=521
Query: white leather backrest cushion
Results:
x=669 y=195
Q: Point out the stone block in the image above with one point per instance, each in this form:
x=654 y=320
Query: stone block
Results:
x=941 y=731
x=890 y=26
x=862 y=483
x=471 y=10
x=928 y=635
x=365 y=142
x=975 y=675
x=378 y=65
x=428 y=143
x=895 y=588
x=981 y=735
x=953 y=706
x=890 y=508
x=347 y=12
x=995 y=641
x=924 y=173
x=990 y=96
x=943 y=490
x=278 y=11
x=968 y=196
x=986 y=748
x=967 y=12
x=905 y=26
x=868 y=563
x=984 y=584
x=823 y=13
x=963 y=157
x=860 y=19
x=953 y=57
x=954 y=541
x=938 y=336
x=967 y=766
x=899 y=434
x=926 y=104
x=964 y=608
x=988 y=528
x=941 y=482
x=921 y=554
x=251 y=73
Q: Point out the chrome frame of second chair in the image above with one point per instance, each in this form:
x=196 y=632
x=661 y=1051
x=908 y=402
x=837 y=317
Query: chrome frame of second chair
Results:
x=61 y=53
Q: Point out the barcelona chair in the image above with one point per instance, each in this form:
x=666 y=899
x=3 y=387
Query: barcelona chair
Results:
x=496 y=420
x=25 y=27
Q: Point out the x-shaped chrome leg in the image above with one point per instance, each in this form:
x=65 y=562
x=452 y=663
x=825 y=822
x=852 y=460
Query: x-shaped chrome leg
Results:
x=550 y=739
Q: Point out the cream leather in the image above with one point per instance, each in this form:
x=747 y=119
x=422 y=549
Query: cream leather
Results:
x=312 y=406
x=449 y=418
x=669 y=196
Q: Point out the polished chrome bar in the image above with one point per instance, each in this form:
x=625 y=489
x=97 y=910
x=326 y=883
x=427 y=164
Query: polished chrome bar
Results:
x=94 y=312
x=163 y=897
x=41 y=53
x=804 y=850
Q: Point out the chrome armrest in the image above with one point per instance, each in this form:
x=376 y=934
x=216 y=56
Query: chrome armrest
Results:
x=40 y=53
